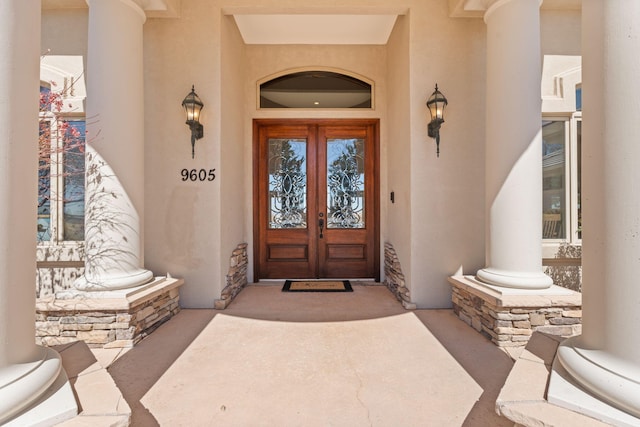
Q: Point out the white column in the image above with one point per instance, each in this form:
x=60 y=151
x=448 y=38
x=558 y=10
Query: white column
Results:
x=605 y=359
x=115 y=148
x=26 y=370
x=513 y=147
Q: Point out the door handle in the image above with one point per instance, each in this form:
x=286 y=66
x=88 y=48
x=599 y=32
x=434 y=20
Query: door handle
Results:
x=321 y=224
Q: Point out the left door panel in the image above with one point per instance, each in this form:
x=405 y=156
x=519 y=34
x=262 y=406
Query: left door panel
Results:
x=286 y=190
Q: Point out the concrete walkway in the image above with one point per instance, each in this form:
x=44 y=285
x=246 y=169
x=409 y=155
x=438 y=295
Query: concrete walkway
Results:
x=297 y=359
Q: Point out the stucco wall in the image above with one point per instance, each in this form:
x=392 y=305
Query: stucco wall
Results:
x=64 y=31
x=192 y=227
x=561 y=59
x=429 y=192
x=437 y=222
x=447 y=193
x=560 y=32
x=266 y=60
x=183 y=232
x=398 y=151
x=233 y=229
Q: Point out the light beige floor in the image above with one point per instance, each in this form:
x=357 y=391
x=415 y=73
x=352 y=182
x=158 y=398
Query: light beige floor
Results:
x=313 y=359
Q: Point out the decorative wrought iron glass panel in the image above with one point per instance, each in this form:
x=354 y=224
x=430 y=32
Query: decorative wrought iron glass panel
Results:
x=345 y=183
x=287 y=183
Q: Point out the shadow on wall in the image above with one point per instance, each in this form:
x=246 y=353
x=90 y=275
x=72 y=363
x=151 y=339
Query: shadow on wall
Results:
x=112 y=239
x=566 y=268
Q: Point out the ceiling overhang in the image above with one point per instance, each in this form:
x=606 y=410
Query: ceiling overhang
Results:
x=477 y=8
x=152 y=8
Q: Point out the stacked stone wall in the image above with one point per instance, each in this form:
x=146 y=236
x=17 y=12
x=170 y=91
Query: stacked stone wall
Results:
x=236 y=277
x=101 y=322
x=394 y=277
x=513 y=326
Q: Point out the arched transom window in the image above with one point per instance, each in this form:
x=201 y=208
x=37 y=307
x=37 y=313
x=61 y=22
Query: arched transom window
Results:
x=315 y=89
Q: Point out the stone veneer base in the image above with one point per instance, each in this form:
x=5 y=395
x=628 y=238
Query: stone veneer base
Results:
x=236 y=278
x=508 y=317
x=394 y=277
x=107 y=319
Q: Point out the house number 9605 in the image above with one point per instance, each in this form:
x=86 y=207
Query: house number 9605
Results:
x=198 y=174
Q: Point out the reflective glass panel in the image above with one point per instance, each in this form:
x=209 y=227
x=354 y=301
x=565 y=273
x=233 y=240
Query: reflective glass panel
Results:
x=73 y=202
x=554 y=212
x=345 y=183
x=579 y=136
x=44 y=183
x=45 y=99
x=287 y=183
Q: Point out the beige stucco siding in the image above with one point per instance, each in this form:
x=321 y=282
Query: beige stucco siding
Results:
x=437 y=221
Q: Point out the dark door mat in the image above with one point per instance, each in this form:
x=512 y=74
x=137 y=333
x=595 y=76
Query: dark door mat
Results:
x=317 y=286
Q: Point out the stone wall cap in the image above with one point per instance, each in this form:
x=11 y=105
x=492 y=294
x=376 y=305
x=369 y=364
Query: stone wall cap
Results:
x=122 y=299
x=555 y=296
x=159 y=286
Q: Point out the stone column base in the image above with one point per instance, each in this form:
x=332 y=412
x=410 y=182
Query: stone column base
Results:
x=508 y=317
x=107 y=319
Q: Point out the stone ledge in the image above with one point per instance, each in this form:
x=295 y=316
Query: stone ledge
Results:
x=112 y=300
x=100 y=399
x=107 y=319
x=523 y=396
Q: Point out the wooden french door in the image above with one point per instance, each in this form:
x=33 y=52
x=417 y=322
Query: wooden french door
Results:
x=316 y=199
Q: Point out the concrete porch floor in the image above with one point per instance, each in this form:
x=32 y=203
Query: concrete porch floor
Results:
x=296 y=359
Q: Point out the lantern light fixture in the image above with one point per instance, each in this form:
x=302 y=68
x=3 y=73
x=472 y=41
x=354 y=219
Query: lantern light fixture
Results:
x=192 y=106
x=436 y=104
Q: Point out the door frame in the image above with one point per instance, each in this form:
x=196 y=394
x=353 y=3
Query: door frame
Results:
x=258 y=123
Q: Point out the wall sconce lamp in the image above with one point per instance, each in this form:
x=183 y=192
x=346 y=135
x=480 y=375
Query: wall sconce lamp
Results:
x=436 y=104
x=192 y=106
